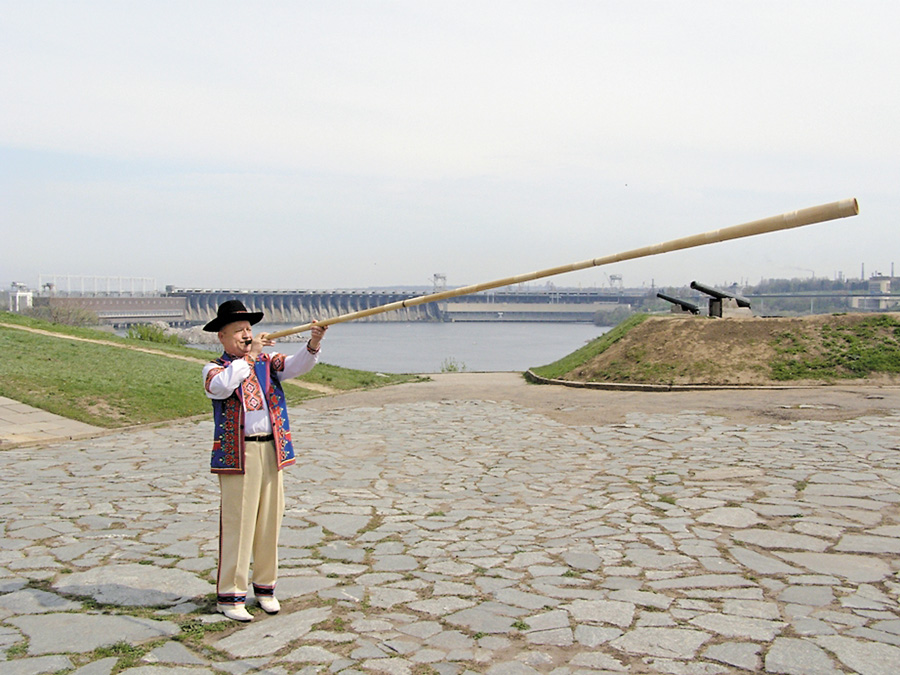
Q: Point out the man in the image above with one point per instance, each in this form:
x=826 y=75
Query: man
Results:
x=252 y=444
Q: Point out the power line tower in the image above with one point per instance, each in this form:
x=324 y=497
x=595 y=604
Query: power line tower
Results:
x=439 y=285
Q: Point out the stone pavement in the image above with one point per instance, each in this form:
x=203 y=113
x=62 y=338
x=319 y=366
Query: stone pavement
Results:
x=483 y=532
x=21 y=424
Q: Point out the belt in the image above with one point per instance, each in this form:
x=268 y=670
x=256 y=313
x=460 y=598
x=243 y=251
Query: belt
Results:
x=261 y=438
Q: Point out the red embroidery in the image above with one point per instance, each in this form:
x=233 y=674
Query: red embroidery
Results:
x=211 y=374
x=229 y=442
x=252 y=393
x=228 y=446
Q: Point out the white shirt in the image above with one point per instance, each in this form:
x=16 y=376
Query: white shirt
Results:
x=223 y=384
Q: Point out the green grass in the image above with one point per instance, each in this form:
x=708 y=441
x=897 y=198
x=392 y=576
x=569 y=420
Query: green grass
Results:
x=344 y=379
x=98 y=384
x=108 y=386
x=98 y=334
x=839 y=351
x=129 y=655
x=580 y=356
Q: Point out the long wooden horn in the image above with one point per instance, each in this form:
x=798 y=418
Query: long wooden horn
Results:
x=785 y=221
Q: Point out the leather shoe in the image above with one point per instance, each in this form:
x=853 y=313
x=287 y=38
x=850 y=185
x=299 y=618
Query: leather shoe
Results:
x=235 y=612
x=269 y=604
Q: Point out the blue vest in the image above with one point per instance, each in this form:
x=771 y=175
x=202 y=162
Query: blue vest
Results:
x=228 y=415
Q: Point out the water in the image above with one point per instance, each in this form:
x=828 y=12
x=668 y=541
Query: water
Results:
x=421 y=347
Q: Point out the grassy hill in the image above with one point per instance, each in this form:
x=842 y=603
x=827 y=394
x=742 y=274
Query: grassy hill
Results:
x=109 y=381
x=673 y=349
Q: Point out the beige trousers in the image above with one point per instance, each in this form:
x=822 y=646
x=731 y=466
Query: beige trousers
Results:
x=250 y=518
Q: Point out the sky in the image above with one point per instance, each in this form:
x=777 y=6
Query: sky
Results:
x=376 y=143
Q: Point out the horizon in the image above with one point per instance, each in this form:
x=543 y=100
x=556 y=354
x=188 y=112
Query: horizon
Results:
x=535 y=285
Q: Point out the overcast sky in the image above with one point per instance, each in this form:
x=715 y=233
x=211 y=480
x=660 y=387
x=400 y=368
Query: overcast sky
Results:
x=347 y=144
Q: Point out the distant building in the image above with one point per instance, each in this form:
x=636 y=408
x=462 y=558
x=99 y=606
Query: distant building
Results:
x=124 y=310
x=20 y=298
x=879 y=297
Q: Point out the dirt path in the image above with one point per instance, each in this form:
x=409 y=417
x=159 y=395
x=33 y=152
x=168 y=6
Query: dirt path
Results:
x=109 y=343
x=591 y=406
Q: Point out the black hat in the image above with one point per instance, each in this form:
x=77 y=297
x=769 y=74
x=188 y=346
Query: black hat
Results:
x=232 y=310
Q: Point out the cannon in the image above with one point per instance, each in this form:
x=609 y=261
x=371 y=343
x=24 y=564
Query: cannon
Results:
x=680 y=305
x=723 y=304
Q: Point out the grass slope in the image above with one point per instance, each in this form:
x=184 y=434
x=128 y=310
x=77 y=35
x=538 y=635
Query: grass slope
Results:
x=839 y=350
x=666 y=350
x=109 y=381
x=592 y=349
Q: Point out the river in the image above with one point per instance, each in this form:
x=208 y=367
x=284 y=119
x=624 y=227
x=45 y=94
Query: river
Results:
x=423 y=347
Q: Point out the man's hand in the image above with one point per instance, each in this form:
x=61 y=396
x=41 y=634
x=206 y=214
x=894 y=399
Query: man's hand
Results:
x=318 y=332
x=259 y=341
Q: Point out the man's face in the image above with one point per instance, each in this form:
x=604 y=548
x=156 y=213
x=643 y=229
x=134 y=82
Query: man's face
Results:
x=235 y=337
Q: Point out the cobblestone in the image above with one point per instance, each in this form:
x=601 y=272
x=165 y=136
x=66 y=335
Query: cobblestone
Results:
x=471 y=536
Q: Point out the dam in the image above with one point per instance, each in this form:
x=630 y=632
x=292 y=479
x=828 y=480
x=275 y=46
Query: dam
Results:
x=193 y=306
x=299 y=306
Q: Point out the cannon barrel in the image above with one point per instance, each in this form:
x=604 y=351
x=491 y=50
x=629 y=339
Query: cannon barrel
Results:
x=721 y=295
x=684 y=304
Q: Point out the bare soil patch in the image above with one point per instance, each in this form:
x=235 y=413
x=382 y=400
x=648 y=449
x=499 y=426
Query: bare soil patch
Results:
x=588 y=407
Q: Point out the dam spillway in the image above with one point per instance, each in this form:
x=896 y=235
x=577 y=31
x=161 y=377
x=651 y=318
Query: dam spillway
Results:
x=303 y=306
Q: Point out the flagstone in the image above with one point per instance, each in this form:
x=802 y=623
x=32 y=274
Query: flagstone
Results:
x=739 y=654
x=311 y=654
x=732 y=626
x=731 y=517
x=862 y=543
x=174 y=652
x=798 y=657
x=481 y=621
x=37 y=665
x=294 y=587
x=676 y=643
x=267 y=636
x=852 y=567
x=135 y=585
x=614 y=612
x=80 y=633
x=781 y=540
x=99 y=667
x=34 y=601
x=760 y=563
x=865 y=658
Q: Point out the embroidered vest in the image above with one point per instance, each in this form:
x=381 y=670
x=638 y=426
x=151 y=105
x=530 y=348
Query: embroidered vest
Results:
x=228 y=415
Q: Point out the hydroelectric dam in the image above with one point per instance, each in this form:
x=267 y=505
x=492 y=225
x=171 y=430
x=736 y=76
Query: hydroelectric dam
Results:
x=299 y=306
